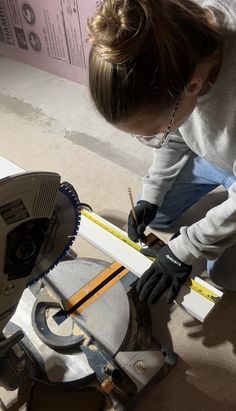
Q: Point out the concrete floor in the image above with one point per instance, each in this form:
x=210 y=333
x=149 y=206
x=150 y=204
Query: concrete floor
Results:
x=48 y=123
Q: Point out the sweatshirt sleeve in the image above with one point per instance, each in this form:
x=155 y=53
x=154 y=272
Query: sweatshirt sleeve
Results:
x=168 y=161
x=210 y=236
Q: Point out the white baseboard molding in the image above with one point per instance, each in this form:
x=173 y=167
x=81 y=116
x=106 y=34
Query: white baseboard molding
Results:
x=194 y=303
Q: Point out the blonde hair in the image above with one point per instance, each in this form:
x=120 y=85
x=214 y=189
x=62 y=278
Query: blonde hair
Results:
x=144 y=52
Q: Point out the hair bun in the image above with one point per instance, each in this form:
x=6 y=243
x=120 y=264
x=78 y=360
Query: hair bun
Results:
x=120 y=29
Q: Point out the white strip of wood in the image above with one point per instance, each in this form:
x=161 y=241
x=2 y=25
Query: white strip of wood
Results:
x=194 y=303
x=7 y=168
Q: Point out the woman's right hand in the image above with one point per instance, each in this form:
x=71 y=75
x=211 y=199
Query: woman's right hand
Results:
x=145 y=212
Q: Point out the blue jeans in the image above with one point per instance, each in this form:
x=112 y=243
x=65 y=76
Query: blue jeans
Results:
x=198 y=178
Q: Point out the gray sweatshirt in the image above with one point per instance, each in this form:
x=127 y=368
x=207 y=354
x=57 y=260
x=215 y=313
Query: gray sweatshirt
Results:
x=210 y=132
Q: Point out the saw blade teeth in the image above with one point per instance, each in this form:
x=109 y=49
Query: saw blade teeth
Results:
x=67 y=189
x=71 y=193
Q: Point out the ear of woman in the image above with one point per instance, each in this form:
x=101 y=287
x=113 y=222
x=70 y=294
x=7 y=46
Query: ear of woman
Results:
x=194 y=87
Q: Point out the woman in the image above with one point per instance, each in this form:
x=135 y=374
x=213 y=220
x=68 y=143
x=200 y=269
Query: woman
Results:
x=165 y=72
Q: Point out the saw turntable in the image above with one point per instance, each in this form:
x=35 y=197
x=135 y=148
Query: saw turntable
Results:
x=79 y=322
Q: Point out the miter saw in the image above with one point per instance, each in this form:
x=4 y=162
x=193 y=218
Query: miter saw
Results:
x=107 y=344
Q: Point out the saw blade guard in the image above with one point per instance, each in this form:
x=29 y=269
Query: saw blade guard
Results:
x=39 y=220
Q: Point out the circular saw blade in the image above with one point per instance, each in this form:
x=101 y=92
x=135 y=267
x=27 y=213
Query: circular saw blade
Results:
x=62 y=231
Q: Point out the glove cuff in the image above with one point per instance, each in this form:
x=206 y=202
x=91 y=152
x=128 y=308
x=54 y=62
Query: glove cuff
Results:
x=148 y=203
x=179 y=249
x=169 y=255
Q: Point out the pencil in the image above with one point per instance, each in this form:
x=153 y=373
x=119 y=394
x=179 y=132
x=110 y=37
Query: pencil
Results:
x=132 y=204
x=133 y=211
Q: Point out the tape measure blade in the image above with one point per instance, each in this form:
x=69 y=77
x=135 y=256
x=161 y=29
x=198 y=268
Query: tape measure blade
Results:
x=116 y=231
x=198 y=285
x=111 y=245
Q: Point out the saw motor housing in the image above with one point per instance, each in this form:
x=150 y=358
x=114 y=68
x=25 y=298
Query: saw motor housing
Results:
x=27 y=203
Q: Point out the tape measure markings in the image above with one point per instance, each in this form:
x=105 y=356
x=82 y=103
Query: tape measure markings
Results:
x=190 y=283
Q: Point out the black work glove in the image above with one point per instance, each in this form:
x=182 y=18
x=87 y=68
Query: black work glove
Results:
x=167 y=271
x=145 y=212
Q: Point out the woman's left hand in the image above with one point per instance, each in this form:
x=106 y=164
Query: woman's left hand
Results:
x=166 y=272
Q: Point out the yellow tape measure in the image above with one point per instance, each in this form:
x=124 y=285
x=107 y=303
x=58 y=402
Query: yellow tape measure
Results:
x=190 y=283
x=110 y=229
x=199 y=288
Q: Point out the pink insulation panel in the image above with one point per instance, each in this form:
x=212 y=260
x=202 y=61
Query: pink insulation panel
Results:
x=48 y=34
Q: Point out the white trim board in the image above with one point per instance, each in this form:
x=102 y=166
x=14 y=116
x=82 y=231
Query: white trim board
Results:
x=8 y=168
x=194 y=303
